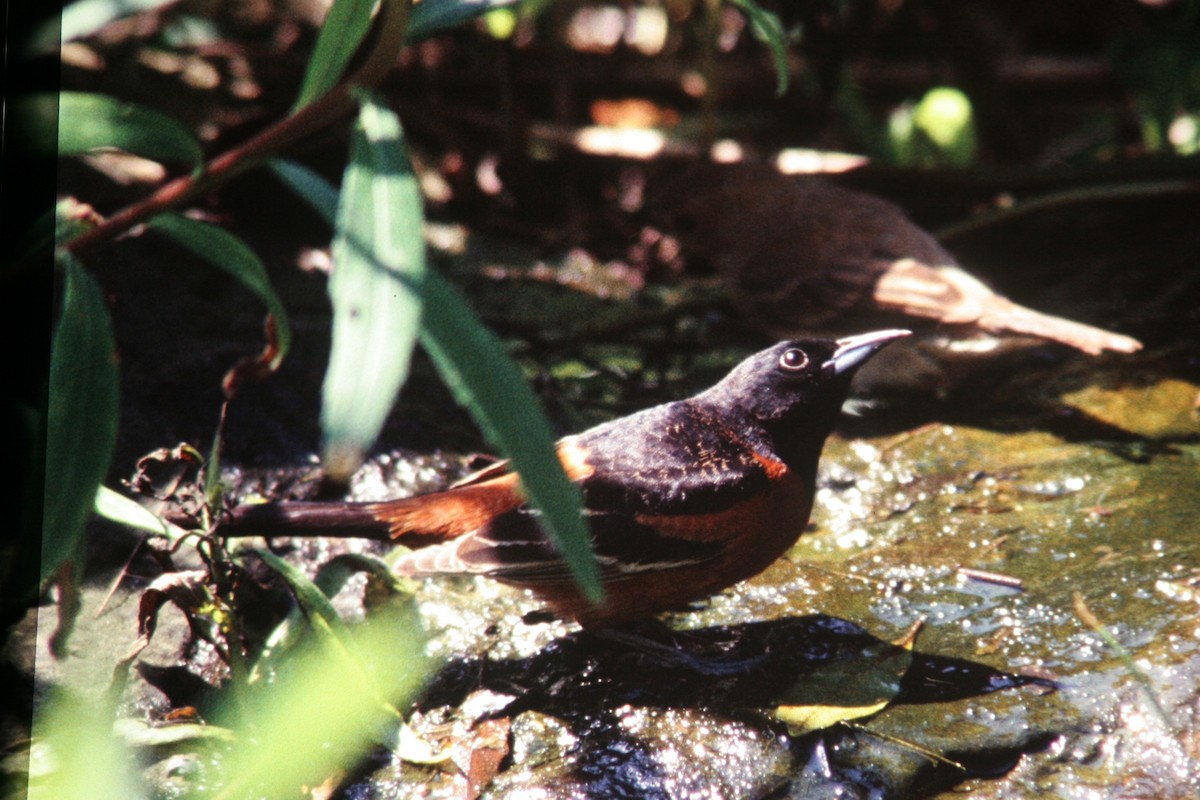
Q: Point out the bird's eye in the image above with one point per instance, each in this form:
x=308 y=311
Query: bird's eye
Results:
x=793 y=360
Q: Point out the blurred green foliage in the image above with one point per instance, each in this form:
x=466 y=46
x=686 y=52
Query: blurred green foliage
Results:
x=939 y=131
x=81 y=418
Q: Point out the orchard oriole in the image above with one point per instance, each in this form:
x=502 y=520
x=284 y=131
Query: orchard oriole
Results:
x=682 y=500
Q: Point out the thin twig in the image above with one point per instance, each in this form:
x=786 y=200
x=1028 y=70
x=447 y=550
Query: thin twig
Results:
x=112 y=589
x=933 y=756
x=1066 y=198
x=997 y=578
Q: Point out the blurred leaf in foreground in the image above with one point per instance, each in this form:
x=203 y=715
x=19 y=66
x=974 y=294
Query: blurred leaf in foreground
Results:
x=224 y=250
x=81 y=426
x=336 y=696
x=375 y=288
x=938 y=131
x=484 y=378
x=88 y=122
x=474 y=364
x=74 y=755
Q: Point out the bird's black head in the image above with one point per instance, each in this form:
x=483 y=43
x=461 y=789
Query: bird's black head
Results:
x=793 y=391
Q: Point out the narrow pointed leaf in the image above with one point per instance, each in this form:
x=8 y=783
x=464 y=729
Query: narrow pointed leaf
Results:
x=314 y=603
x=476 y=367
x=82 y=415
x=495 y=393
x=375 y=288
x=225 y=250
x=126 y=511
x=341 y=33
x=88 y=122
x=308 y=185
x=768 y=30
x=430 y=17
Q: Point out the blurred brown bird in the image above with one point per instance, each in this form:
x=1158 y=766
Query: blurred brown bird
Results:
x=799 y=255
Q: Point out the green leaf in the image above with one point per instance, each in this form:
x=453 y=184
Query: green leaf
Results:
x=330 y=579
x=769 y=30
x=495 y=393
x=341 y=33
x=945 y=116
x=315 y=604
x=81 y=415
x=843 y=690
x=482 y=376
x=324 y=713
x=431 y=17
x=332 y=699
x=501 y=23
x=378 y=271
x=222 y=249
x=334 y=573
x=75 y=755
x=312 y=601
x=310 y=186
x=126 y=511
x=87 y=122
x=938 y=131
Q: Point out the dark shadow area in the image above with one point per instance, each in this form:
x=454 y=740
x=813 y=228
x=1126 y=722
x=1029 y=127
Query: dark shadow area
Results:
x=591 y=680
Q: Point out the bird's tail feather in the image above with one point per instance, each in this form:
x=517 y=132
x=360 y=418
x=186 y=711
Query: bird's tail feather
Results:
x=288 y=518
x=1089 y=339
x=952 y=296
x=419 y=520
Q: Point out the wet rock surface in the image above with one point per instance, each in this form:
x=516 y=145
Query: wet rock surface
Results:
x=993 y=515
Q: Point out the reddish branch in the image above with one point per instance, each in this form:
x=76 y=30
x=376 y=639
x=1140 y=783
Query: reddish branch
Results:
x=339 y=100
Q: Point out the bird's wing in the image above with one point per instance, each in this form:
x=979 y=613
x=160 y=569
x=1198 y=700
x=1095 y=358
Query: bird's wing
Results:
x=664 y=488
x=470 y=503
x=671 y=459
x=514 y=547
x=666 y=460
